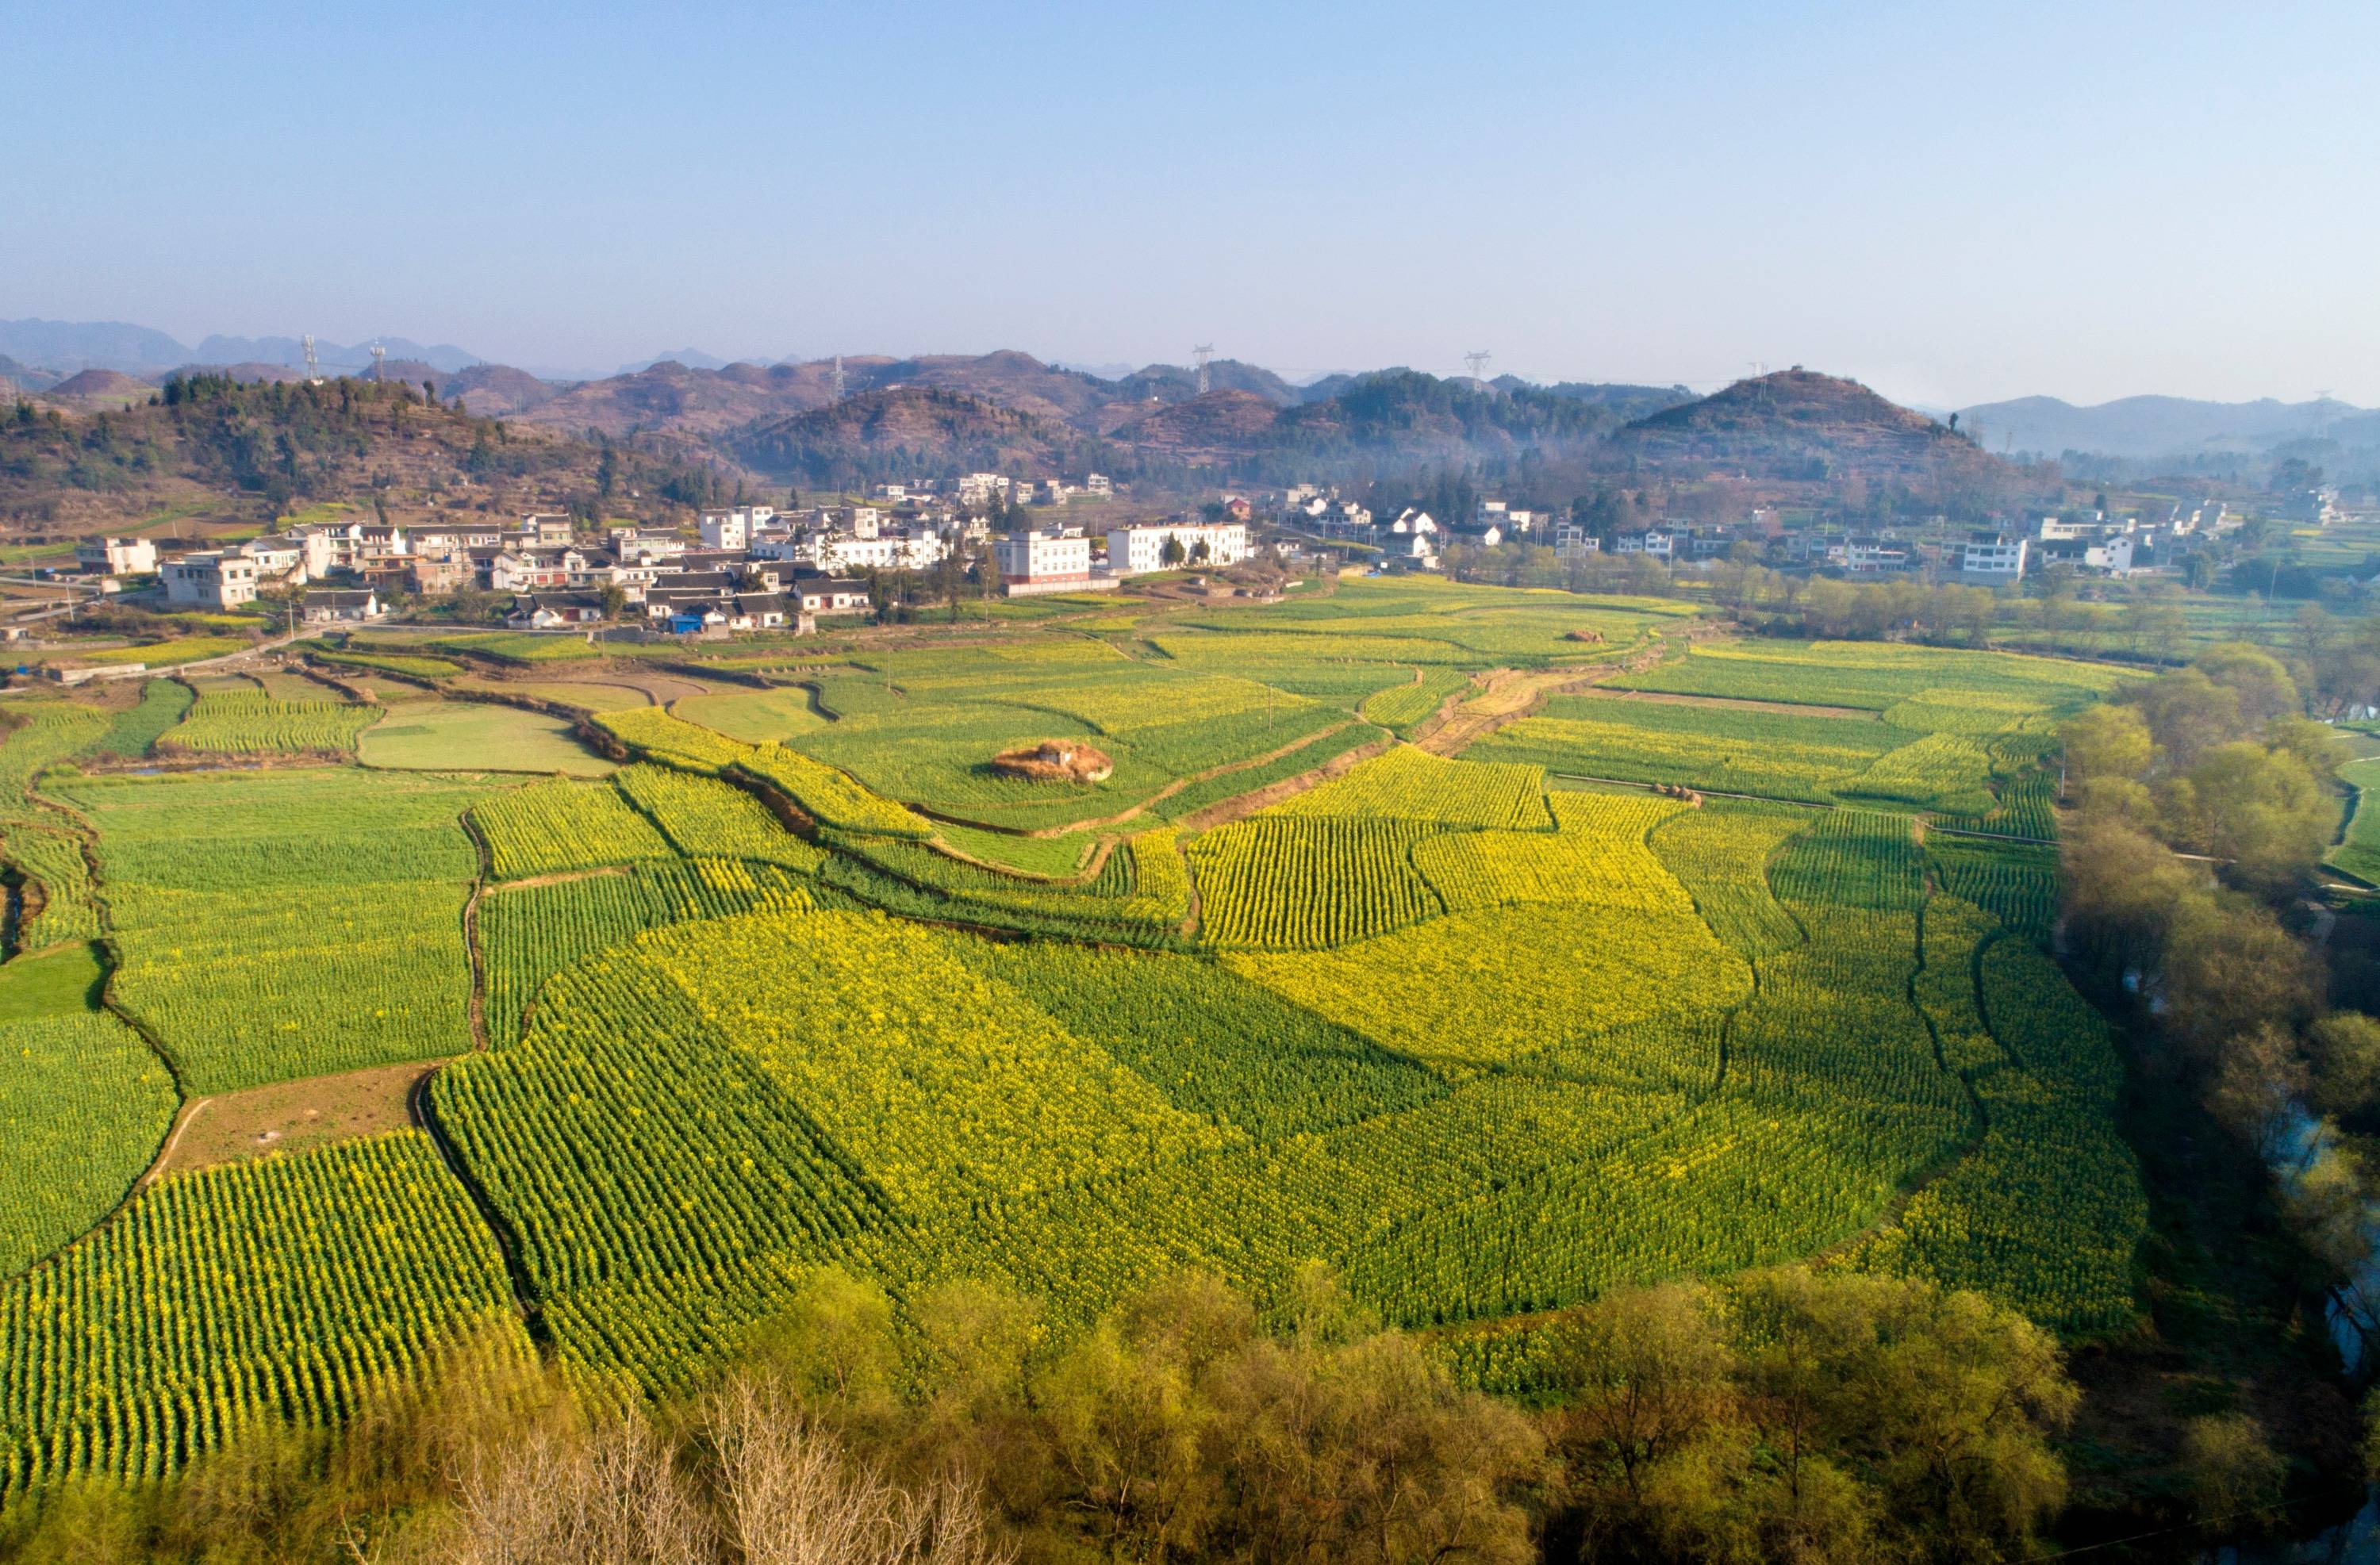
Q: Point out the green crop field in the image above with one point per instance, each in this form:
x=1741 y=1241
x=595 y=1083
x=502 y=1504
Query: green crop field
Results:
x=2359 y=852
x=465 y=735
x=84 y=1101
x=156 y=654
x=808 y=981
x=1959 y=735
x=254 y=721
x=272 y=924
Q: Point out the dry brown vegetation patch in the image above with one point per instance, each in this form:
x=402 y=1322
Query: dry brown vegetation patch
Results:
x=1055 y=760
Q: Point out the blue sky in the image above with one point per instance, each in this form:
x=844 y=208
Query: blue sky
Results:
x=1955 y=204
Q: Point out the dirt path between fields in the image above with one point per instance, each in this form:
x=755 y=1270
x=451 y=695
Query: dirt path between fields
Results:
x=559 y=877
x=164 y=1157
x=1506 y=696
x=1273 y=792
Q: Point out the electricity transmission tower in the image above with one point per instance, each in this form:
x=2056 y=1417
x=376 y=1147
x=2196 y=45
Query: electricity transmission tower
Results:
x=312 y=366
x=379 y=359
x=1202 y=353
x=1479 y=359
x=835 y=378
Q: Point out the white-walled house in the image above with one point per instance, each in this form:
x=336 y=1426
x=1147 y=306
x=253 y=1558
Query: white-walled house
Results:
x=1136 y=550
x=210 y=580
x=1045 y=560
x=116 y=556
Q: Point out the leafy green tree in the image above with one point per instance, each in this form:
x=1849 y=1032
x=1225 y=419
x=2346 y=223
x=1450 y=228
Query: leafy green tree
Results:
x=1644 y=1374
x=1128 y=1413
x=2261 y=809
x=2232 y=1469
x=2107 y=741
x=2344 y=1047
x=831 y=1346
x=2228 y=968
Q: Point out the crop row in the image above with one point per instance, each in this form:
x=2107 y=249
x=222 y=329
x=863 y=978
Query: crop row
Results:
x=250 y=721
x=1949 y=772
x=86 y=1103
x=1854 y=859
x=163 y=703
x=1553 y=974
x=1720 y=854
x=2016 y=882
x=1296 y=883
x=706 y=818
x=272 y=924
x=282 y=1289
x=530 y=933
x=829 y=796
x=1405 y=707
x=411 y=665
x=1877 y=675
x=1409 y=784
x=558 y=825
x=1596 y=859
x=53 y=859
x=2046 y=1211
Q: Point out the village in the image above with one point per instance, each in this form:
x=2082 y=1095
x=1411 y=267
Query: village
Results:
x=754 y=568
x=2093 y=542
x=741 y=567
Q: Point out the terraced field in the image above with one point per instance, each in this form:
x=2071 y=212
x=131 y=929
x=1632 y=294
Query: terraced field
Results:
x=804 y=981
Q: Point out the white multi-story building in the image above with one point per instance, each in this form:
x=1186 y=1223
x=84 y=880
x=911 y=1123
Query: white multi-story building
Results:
x=1572 y=541
x=2113 y=556
x=1652 y=541
x=731 y=528
x=526 y=570
x=443 y=542
x=209 y=581
x=882 y=551
x=1046 y=560
x=1992 y=559
x=1875 y=556
x=278 y=560
x=116 y=556
x=1135 y=551
x=880 y=548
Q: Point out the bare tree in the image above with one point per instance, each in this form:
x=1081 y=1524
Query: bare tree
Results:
x=613 y=1497
x=790 y=1496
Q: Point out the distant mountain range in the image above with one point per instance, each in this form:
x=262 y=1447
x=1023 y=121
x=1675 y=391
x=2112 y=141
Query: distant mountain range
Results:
x=1249 y=420
x=1787 y=438
x=937 y=414
x=66 y=347
x=2149 y=427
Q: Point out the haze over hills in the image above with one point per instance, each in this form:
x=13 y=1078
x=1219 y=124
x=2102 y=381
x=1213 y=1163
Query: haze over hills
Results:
x=2156 y=426
x=936 y=414
x=1799 y=424
x=914 y=429
x=1253 y=423
x=692 y=357
x=66 y=347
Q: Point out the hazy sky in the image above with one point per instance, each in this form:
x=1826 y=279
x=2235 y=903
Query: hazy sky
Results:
x=1955 y=204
